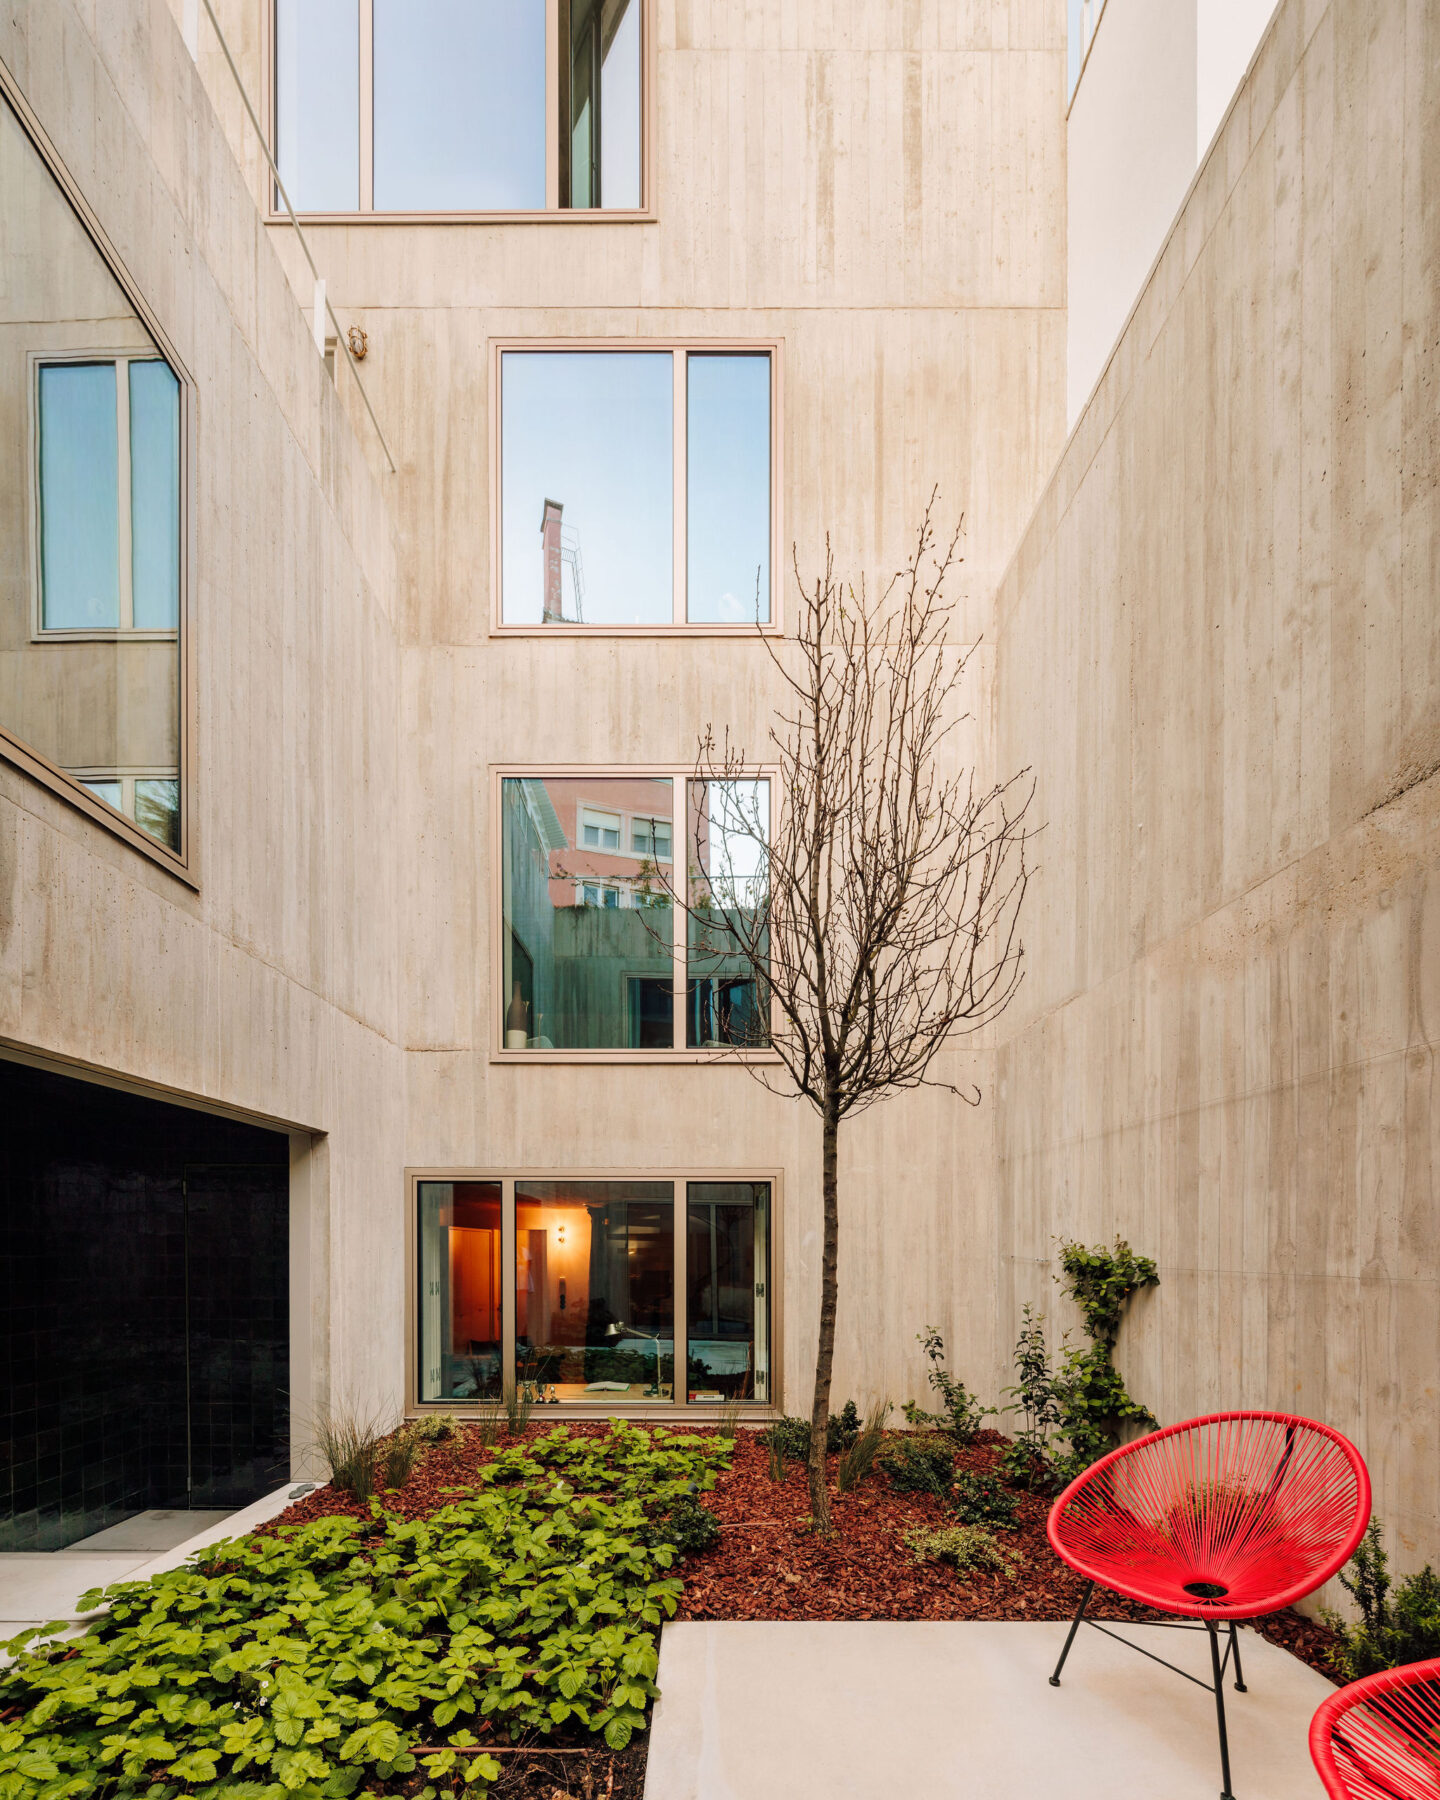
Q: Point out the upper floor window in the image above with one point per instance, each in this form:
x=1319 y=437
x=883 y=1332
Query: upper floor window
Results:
x=635 y=487
x=91 y=524
x=425 y=106
x=594 y=954
x=109 y=494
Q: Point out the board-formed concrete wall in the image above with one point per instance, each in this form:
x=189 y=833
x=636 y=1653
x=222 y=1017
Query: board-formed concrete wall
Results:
x=272 y=989
x=1219 y=645
x=881 y=189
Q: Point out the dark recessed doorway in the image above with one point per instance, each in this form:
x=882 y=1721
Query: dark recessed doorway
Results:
x=144 y=1309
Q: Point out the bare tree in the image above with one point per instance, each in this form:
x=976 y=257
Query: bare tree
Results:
x=875 y=915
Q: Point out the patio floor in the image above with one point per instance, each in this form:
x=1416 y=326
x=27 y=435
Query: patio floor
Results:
x=38 y=1586
x=770 y=1711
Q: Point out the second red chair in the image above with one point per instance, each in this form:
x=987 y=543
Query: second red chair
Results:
x=1379 y=1738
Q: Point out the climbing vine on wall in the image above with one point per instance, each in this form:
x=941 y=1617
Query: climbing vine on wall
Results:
x=1072 y=1415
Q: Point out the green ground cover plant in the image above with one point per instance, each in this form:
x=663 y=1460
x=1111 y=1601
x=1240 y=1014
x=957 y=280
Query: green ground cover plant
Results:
x=966 y=1548
x=373 y=1653
x=1399 y=1623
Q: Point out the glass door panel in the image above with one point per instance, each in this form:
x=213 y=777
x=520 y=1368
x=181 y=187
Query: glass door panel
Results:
x=461 y=1290
x=727 y=1255
x=595 y=1291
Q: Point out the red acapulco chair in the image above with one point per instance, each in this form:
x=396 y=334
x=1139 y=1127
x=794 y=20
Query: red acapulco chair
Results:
x=1379 y=1738
x=1221 y=1518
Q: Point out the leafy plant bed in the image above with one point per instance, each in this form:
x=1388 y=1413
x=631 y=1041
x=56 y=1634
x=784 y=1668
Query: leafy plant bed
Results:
x=490 y=1628
x=770 y=1565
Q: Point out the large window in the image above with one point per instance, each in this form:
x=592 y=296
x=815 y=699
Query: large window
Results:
x=91 y=522
x=424 y=106
x=595 y=956
x=614 y=1300
x=635 y=487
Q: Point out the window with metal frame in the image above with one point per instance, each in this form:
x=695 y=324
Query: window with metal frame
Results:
x=404 y=107
x=594 y=954
x=646 y=1291
x=635 y=486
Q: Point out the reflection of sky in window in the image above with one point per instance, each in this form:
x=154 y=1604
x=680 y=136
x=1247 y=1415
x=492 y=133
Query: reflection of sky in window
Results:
x=1080 y=30
x=591 y=430
x=79 y=496
x=728 y=456
x=317 y=72
x=620 y=113
x=155 y=494
x=459 y=105
x=738 y=830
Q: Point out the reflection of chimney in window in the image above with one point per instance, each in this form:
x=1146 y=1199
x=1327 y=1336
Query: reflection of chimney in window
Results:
x=554 y=607
x=560 y=550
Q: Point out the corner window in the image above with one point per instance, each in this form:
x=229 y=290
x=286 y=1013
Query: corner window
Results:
x=425 y=106
x=92 y=565
x=593 y=956
x=636 y=1292
x=635 y=488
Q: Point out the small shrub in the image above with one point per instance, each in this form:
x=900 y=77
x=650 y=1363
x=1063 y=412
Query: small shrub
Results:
x=790 y=1438
x=858 y=1458
x=349 y=1441
x=436 y=1428
x=961 y=1413
x=793 y=1435
x=1391 y=1631
x=689 y=1526
x=922 y=1463
x=1036 y=1397
x=967 y=1548
x=984 y=1500
x=842 y=1431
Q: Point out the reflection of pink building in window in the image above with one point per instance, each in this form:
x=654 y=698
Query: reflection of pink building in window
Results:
x=619 y=839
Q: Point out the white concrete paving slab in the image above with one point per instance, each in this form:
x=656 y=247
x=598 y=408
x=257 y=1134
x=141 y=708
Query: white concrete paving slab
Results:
x=149 y=1532
x=39 y=1586
x=957 y=1711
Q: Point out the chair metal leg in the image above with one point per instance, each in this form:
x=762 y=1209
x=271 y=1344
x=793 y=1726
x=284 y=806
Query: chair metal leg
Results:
x=1225 y=1793
x=1240 y=1687
x=1074 y=1627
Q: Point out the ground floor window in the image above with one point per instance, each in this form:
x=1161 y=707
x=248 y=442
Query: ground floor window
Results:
x=647 y=1291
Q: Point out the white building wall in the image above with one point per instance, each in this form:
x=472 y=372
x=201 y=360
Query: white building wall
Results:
x=1156 y=82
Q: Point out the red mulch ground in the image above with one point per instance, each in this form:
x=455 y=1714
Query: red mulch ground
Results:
x=770 y=1565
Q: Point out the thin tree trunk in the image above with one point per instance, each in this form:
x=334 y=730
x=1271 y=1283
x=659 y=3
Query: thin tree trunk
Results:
x=829 y=1290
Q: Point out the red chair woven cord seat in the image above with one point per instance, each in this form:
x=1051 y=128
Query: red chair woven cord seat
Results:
x=1224 y=1517
x=1379 y=1739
